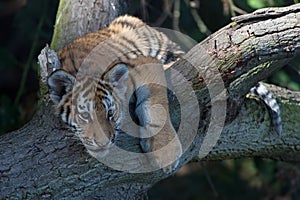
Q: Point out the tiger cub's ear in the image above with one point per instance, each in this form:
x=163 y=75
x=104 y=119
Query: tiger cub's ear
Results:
x=60 y=83
x=118 y=76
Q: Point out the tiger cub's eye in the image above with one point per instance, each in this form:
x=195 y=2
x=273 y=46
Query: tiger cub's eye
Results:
x=110 y=114
x=84 y=116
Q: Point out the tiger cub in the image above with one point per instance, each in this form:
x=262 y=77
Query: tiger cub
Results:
x=104 y=73
x=101 y=72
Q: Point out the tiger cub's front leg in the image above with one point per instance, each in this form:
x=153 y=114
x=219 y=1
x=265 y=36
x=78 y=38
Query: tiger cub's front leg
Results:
x=158 y=137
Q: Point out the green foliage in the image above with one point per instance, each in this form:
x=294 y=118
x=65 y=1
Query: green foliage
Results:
x=256 y=4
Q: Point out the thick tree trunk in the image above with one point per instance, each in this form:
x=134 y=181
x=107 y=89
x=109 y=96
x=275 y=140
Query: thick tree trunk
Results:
x=43 y=160
x=77 y=18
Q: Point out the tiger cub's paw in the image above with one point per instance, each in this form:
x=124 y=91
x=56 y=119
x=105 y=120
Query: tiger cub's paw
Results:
x=166 y=157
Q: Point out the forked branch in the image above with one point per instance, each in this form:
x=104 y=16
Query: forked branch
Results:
x=42 y=160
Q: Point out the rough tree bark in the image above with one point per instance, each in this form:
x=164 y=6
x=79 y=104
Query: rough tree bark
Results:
x=43 y=161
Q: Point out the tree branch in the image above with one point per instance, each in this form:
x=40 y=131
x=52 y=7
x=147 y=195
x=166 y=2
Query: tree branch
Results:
x=42 y=160
x=250 y=134
x=245 y=52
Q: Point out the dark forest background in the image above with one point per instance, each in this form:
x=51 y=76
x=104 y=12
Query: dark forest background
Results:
x=27 y=25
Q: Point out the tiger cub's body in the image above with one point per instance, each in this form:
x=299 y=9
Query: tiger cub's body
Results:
x=126 y=38
x=108 y=76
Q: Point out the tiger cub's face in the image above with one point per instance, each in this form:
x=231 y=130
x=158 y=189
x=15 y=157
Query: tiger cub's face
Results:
x=92 y=107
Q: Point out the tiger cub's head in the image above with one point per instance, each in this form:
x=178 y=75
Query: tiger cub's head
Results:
x=91 y=106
